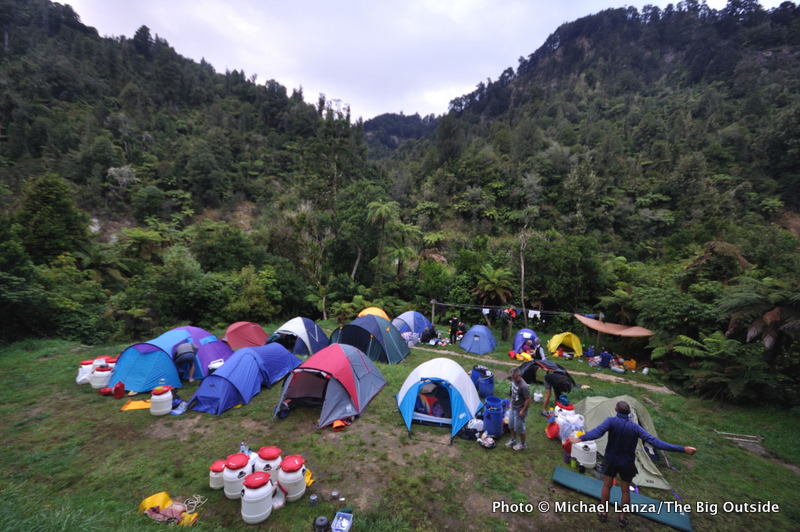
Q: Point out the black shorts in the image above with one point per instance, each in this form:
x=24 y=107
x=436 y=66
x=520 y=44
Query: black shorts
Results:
x=626 y=473
x=184 y=359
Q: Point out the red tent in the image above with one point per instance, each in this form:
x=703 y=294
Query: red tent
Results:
x=339 y=377
x=245 y=334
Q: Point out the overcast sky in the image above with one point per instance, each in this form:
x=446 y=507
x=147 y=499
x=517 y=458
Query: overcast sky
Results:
x=378 y=56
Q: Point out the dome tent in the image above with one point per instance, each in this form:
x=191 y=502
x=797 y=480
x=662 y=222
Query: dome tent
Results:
x=374 y=311
x=301 y=336
x=568 y=339
x=461 y=396
x=520 y=338
x=242 y=377
x=339 y=378
x=479 y=340
x=375 y=336
x=244 y=334
x=411 y=321
x=141 y=367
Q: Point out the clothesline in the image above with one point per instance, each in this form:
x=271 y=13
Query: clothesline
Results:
x=467 y=305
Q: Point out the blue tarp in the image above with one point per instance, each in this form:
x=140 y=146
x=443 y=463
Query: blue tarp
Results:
x=242 y=377
x=478 y=340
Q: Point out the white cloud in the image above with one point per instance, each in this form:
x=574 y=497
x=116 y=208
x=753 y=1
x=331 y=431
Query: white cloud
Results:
x=378 y=57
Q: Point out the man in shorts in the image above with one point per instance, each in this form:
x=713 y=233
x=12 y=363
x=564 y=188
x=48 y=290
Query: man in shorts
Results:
x=520 y=401
x=184 y=359
x=620 y=455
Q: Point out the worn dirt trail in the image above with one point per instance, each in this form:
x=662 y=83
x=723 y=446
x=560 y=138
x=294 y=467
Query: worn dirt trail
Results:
x=601 y=376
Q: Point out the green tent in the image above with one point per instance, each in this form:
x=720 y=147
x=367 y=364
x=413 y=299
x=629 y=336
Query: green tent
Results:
x=375 y=337
x=596 y=409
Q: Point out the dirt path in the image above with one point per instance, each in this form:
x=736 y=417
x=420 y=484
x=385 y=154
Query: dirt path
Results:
x=601 y=376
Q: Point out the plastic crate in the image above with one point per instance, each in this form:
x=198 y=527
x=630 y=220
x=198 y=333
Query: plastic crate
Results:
x=342 y=522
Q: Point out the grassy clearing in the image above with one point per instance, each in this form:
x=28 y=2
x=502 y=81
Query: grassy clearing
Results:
x=73 y=461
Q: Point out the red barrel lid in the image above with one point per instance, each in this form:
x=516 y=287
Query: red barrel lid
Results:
x=256 y=480
x=161 y=390
x=112 y=360
x=292 y=463
x=218 y=466
x=269 y=453
x=87 y=362
x=103 y=368
x=237 y=461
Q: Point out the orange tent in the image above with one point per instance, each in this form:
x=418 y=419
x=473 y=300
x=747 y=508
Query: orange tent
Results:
x=374 y=311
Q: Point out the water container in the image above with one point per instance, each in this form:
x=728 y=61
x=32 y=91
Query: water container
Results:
x=268 y=459
x=585 y=453
x=233 y=476
x=161 y=400
x=493 y=416
x=292 y=477
x=84 y=372
x=215 y=472
x=100 y=377
x=112 y=362
x=257 y=493
x=486 y=385
x=99 y=361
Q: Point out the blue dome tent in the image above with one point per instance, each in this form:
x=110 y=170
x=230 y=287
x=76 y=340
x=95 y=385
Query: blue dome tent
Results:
x=478 y=340
x=520 y=337
x=438 y=391
x=242 y=377
x=411 y=321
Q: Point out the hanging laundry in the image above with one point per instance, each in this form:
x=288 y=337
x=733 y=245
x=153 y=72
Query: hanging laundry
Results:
x=485 y=311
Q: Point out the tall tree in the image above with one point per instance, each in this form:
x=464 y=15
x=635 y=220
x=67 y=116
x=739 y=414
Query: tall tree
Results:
x=51 y=222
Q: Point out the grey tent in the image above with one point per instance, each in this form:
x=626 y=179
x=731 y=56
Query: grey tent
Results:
x=596 y=409
x=339 y=378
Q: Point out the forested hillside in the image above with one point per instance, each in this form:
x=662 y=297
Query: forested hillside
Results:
x=643 y=165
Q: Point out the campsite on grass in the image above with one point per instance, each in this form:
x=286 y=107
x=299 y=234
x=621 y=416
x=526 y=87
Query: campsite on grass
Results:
x=93 y=463
x=399 y=266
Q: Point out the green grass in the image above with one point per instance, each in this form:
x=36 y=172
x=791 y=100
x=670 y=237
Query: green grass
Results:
x=73 y=461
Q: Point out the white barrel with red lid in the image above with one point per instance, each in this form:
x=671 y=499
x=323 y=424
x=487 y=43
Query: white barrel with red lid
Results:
x=268 y=459
x=84 y=372
x=236 y=468
x=161 y=400
x=257 y=492
x=100 y=377
x=292 y=477
x=215 y=471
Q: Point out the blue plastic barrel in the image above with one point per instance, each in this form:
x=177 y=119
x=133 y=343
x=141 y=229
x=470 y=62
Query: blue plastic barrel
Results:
x=493 y=416
x=486 y=386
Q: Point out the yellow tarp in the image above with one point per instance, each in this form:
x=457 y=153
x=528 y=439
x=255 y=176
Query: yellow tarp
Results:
x=136 y=405
x=568 y=339
x=375 y=311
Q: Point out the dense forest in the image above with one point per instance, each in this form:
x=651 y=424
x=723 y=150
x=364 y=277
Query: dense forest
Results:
x=645 y=165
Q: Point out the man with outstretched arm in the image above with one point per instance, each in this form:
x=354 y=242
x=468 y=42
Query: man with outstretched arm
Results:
x=620 y=455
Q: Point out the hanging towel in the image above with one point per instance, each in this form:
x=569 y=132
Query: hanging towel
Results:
x=485 y=311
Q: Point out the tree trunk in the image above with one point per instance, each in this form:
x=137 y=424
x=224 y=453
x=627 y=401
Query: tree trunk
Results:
x=522 y=244
x=324 y=307
x=355 y=266
x=485 y=316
